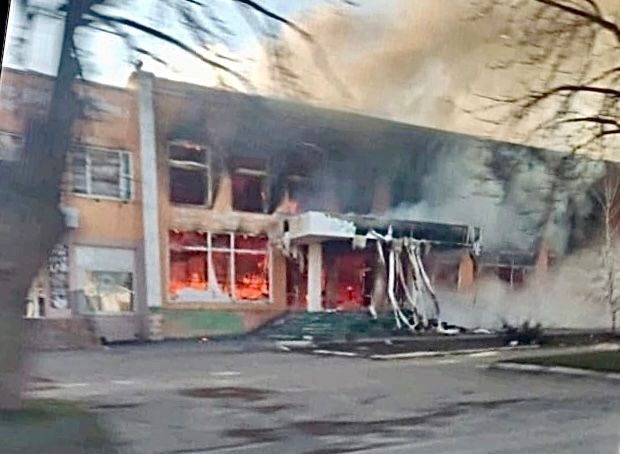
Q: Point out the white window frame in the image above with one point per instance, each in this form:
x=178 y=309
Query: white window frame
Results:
x=207 y=168
x=125 y=176
x=232 y=250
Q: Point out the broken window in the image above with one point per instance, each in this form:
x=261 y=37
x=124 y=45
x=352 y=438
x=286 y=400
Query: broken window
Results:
x=218 y=266
x=109 y=291
x=251 y=268
x=188 y=261
x=301 y=193
x=190 y=174
x=101 y=173
x=249 y=184
x=349 y=278
x=445 y=275
x=513 y=276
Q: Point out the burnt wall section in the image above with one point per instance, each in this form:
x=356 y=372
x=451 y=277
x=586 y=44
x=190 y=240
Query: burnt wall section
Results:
x=521 y=196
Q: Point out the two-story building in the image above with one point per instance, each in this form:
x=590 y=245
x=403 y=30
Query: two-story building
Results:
x=217 y=211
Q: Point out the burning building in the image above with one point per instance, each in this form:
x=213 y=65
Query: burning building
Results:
x=217 y=211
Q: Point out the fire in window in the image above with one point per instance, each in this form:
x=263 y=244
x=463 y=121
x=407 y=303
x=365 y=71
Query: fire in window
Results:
x=190 y=174
x=251 y=268
x=101 y=173
x=249 y=184
x=218 y=267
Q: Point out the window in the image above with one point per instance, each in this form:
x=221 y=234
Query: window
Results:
x=513 y=276
x=10 y=147
x=218 y=267
x=302 y=167
x=249 y=181
x=109 y=291
x=105 y=276
x=101 y=173
x=190 y=174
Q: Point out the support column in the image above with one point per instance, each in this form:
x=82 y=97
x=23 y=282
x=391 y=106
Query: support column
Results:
x=315 y=267
x=150 y=215
x=466 y=272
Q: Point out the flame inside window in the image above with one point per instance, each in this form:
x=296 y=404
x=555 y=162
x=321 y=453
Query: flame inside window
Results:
x=218 y=267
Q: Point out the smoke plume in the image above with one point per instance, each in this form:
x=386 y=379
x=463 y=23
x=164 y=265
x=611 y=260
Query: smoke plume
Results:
x=423 y=63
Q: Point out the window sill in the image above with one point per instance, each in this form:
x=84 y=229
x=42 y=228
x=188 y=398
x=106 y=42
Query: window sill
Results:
x=100 y=198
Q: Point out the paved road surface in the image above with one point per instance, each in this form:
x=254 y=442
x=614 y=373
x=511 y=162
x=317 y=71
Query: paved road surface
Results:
x=204 y=398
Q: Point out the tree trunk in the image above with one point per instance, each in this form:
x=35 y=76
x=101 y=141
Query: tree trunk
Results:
x=31 y=222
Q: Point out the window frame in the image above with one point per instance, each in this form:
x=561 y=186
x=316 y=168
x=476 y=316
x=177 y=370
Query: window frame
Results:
x=207 y=171
x=231 y=251
x=125 y=185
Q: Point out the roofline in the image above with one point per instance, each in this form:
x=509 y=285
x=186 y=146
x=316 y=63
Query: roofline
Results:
x=180 y=87
x=50 y=78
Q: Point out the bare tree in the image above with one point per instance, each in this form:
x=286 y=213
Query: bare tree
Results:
x=566 y=52
x=561 y=58
x=31 y=222
x=607 y=197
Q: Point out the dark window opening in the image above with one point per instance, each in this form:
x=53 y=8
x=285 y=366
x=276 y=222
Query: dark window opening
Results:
x=446 y=275
x=189 y=175
x=514 y=277
x=249 y=178
x=187 y=187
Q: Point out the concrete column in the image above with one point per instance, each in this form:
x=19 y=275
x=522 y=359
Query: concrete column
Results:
x=315 y=266
x=150 y=215
x=466 y=273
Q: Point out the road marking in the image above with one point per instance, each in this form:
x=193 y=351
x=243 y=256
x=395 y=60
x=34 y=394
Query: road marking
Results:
x=225 y=373
x=73 y=385
x=483 y=354
x=334 y=353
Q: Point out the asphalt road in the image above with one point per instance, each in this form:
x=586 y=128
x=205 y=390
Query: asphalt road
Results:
x=203 y=398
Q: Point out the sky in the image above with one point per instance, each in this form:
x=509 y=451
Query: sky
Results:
x=108 y=60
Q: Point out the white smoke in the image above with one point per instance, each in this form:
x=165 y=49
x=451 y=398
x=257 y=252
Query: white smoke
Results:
x=569 y=296
x=423 y=63
x=511 y=209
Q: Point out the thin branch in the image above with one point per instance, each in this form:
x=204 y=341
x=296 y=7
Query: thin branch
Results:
x=266 y=12
x=592 y=119
x=167 y=38
x=596 y=17
x=535 y=99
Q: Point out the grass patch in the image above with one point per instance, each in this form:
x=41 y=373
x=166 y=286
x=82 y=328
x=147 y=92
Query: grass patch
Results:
x=51 y=426
x=597 y=361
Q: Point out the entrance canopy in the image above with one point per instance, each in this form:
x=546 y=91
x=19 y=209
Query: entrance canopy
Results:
x=317 y=227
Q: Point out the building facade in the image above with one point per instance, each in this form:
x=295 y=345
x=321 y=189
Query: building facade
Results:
x=192 y=211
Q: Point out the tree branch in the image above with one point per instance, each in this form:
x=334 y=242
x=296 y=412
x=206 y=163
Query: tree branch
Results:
x=167 y=38
x=265 y=12
x=261 y=9
x=534 y=99
x=595 y=17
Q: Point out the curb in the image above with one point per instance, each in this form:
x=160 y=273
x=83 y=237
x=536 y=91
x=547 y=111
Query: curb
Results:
x=409 y=355
x=569 y=371
x=434 y=354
